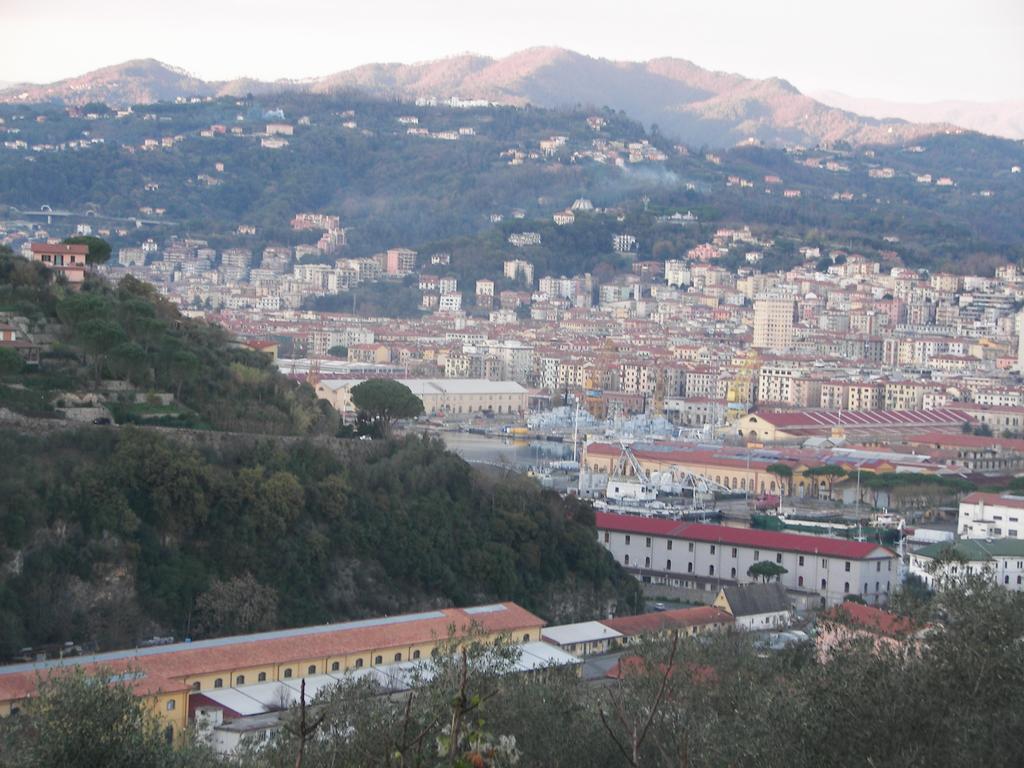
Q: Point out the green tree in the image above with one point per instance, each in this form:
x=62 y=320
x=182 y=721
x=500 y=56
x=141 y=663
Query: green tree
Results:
x=383 y=401
x=237 y=606
x=338 y=350
x=766 y=570
x=829 y=471
x=10 y=362
x=785 y=474
x=99 y=249
x=90 y=721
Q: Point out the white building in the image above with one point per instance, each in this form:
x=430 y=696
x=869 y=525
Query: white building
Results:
x=756 y=606
x=449 y=396
x=991 y=516
x=585 y=638
x=707 y=558
x=677 y=273
x=1001 y=560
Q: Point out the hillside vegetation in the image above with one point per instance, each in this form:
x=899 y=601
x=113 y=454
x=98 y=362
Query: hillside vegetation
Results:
x=131 y=334
x=113 y=535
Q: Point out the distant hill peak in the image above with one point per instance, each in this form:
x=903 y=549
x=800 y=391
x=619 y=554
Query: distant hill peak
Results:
x=688 y=102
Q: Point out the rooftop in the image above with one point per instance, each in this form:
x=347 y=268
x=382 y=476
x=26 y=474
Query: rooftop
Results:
x=743 y=537
x=164 y=668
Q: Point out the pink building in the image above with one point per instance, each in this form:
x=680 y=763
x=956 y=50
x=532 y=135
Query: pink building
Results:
x=68 y=260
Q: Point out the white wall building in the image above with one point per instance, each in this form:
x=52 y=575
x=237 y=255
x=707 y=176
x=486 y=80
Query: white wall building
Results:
x=708 y=557
x=991 y=516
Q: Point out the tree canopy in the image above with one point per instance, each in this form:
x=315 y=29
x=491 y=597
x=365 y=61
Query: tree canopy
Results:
x=384 y=401
x=99 y=249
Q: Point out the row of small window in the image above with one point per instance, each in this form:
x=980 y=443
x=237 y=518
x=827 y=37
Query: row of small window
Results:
x=311 y=670
x=1011 y=532
x=757 y=558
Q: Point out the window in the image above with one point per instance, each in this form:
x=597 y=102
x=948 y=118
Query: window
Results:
x=647 y=562
x=606 y=537
x=359 y=663
x=890 y=565
x=824 y=563
x=712 y=549
x=847 y=566
x=196 y=685
x=1012 y=532
x=734 y=552
x=171 y=705
x=668 y=545
x=690 y=548
x=416 y=653
x=878 y=587
x=311 y=670
x=668 y=565
x=878 y=566
x=778 y=557
x=288 y=672
x=169 y=734
x=846 y=587
x=648 y=541
x=824 y=584
x=689 y=567
x=261 y=677
x=757 y=555
x=240 y=680
x=865 y=588
x=1006 y=580
x=732 y=573
x=378 y=659
x=627 y=539
x=335 y=666
x=800 y=561
x=218 y=683
x=398 y=657
x=711 y=570
x=799 y=581
x=626 y=560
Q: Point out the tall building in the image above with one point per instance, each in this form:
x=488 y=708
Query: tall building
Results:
x=773 y=323
x=400 y=261
x=1020 y=342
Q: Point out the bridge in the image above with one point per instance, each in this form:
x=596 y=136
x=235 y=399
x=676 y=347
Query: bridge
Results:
x=45 y=211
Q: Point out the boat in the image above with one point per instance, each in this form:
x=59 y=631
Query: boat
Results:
x=832 y=525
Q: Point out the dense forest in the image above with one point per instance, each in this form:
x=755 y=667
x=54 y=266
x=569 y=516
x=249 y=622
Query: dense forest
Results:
x=113 y=535
x=132 y=334
x=391 y=188
x=951 y=694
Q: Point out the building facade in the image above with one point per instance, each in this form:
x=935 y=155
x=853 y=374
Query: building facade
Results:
x=709 y=557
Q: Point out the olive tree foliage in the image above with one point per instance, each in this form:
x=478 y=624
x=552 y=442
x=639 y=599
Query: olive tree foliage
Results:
x=236 y=606
x=80 y=720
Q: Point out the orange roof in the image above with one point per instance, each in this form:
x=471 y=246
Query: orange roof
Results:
x=164 y=668
x=649 y=623
x=872 y=619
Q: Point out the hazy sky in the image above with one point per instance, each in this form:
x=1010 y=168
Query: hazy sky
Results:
x=908 y=50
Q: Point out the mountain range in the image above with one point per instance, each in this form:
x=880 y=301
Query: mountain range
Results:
x=685 y=101
x=998 y=118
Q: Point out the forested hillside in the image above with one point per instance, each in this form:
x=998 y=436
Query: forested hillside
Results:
x=114 y=535
x=205 y=168
x=132 y=334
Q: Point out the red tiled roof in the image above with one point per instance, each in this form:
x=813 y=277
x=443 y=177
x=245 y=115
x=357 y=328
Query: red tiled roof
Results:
x=873 y=619
x=165 y=668
x=649 y=623
x=743 y=537
x=994 y=499
x=60 y=248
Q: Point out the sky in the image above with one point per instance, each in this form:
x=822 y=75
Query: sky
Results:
x=902 y=50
